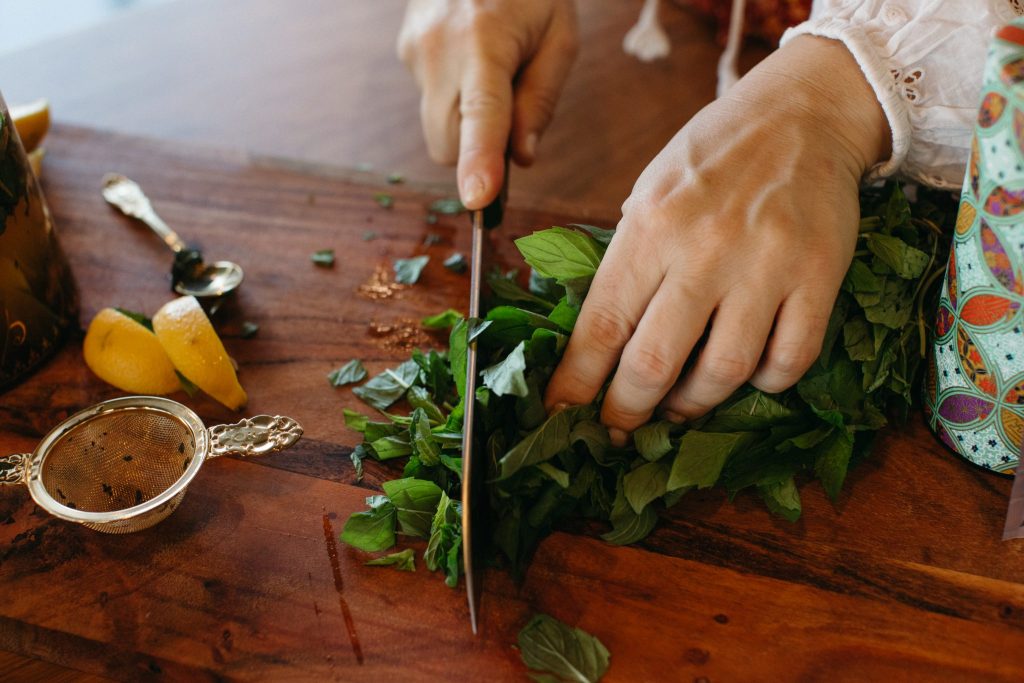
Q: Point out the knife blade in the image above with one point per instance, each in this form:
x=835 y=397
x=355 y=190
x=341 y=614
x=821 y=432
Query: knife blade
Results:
x=473 y=471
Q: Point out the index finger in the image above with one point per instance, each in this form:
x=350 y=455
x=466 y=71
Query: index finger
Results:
x=485 y=106
x=617 y=299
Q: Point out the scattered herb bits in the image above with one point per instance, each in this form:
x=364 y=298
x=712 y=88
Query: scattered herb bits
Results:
x=402 y=561
x=249 y=330
x=431 y=218
x=323 y=258
x=443 y=320
x=408 y=270
x=456 y=263
x=395 y=178
x=431 y=239
x=447 y=206
x=384 y=200
x=370 y=235
x=349 y=373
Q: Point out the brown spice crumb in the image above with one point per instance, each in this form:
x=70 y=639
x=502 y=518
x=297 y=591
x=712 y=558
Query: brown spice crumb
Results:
x=380 y=286
x=400 y=335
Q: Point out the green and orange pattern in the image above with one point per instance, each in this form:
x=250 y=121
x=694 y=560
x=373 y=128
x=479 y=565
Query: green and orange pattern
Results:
x=975 y=387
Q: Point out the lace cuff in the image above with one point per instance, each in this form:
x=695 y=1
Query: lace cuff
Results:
x=924 y=61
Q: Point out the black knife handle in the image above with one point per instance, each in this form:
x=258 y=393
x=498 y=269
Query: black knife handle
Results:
x=494 y=212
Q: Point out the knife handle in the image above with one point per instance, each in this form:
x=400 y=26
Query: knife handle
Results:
x=494 y=212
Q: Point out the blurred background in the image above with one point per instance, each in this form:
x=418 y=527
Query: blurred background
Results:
x=26 y=22
x=317 y=81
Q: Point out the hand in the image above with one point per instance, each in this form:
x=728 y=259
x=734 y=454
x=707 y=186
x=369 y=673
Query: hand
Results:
x=490 y=72
x=744 y=226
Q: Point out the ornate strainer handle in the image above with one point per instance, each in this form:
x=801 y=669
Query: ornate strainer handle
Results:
x=17 y=466
x=254 y=436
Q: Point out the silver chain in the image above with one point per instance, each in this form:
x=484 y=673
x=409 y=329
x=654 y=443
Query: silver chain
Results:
x=15 y=474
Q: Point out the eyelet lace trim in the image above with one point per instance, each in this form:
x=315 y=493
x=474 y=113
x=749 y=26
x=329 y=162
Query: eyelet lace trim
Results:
x=1017 y=6
x=908 y=82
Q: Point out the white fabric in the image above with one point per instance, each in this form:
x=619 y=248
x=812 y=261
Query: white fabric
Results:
x=924 y=60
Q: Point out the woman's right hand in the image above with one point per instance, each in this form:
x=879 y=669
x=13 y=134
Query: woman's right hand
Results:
x=490 y=72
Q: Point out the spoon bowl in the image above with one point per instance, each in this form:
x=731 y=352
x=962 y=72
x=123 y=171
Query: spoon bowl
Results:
x=190 y=276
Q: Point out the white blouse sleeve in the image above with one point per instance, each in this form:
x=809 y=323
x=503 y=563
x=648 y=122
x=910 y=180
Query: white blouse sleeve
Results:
x=924 y=60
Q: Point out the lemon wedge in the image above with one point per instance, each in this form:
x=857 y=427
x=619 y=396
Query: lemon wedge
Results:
x=128 y=355
x=194 y=348
x=31 y=120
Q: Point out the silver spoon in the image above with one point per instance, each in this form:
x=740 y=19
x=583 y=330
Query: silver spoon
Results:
x=189 y=275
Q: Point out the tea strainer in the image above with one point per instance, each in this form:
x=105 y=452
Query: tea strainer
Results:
x=123 y=465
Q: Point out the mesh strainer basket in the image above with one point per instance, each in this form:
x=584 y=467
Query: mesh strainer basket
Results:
x=123 y=465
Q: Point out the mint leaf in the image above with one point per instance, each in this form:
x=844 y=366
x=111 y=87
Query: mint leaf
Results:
x=374 y=529
x=782 y=498
x=561 y=254
x=652 y=440
x=389 y=386
x=905 y=260
x=539 y=445
x=564 y=652
x=349 y=373
x=701 y=457
x=408 y=270
x=447 y=207
x=456 y=263
x=645 y=484
x=323 y=257
x=141 y=319
x=384 y=200
x=506 y=377
x=442 y=320
x=415 y=502
x=403 y=560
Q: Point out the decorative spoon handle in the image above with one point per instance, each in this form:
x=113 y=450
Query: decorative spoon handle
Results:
x=127 y=196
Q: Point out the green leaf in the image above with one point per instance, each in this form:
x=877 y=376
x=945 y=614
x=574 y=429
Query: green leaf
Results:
x=408 y=270
x=442 y=320
x=564 y=315
x=602 y=235
x=628 y=526
x=424 y=445
x=905 y=260
x=445 y=540
x=645 y=484
x=510 y=325
x=782 y=498
x=507 y=289
x=832 y=462
x=354 y=420
x=560 y=477
x=701 y=457
x=447 y=207
x=349 y=373
x=356 y=456
x=403 y=560
x=419 y=399
x=323 y=257
x=594 y=436
x=374 y=529
x=506 y=377
x=384 y=200
x=561 y=254
x=539 y=445
x=567 y=653
x=858 y=339
x=249 y=330
x=389 y=386
x=652 y=440
x=415 y=502
x=456 y=263
x=390 y=447
x=457 y=343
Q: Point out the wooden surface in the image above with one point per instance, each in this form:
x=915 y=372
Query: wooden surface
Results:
x=907 y=580
x=319 y=80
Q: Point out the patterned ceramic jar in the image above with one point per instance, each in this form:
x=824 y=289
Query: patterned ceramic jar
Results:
x=975 y=393
x=38 y=305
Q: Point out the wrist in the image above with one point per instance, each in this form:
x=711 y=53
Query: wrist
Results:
x=819 y=83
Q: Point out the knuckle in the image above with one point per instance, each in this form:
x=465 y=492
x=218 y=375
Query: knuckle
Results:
x=544 y=101
x=787 y=364
x=647 y=369
x=727 y=370
x=686 y=407
x=479 y=102
x=607 y=329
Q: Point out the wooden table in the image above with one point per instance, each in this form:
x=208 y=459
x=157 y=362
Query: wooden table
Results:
x=906 y=580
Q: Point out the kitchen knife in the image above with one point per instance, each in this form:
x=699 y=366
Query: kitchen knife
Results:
x=474 y=496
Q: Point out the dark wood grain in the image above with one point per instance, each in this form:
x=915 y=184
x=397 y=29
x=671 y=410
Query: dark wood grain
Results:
x=319 y=80
x=906 y=580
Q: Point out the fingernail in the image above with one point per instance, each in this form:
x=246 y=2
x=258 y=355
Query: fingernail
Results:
x=530 y=145
x=674 y=417
x=618 y=437
x=472 y=189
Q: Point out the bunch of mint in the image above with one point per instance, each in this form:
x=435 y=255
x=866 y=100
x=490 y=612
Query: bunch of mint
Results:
x=541 y=469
